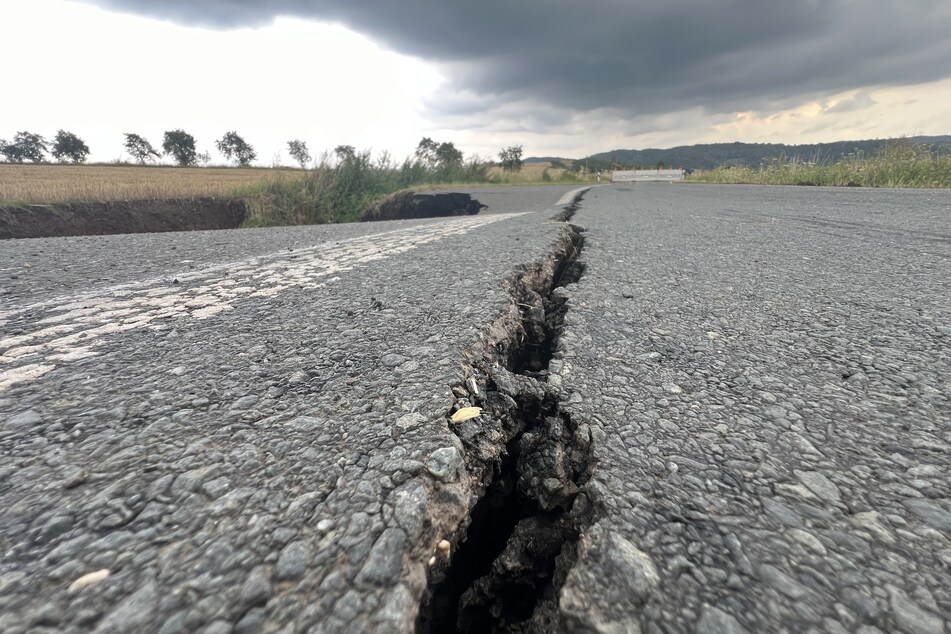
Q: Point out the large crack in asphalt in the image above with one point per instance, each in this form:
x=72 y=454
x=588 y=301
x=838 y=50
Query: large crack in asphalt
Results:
x=527 y=461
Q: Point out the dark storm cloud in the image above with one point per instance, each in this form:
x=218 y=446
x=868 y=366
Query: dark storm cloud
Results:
x=636 y=56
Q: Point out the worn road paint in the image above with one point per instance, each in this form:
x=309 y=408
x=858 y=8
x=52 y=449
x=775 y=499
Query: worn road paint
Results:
x=73 y=327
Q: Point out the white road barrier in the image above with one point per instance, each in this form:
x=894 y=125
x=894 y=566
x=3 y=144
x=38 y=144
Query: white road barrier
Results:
x=628 y=176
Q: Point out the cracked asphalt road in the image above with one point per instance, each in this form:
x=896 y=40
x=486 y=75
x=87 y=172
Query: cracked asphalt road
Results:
x=253 y=442
x=248 y=430
x=770 y=374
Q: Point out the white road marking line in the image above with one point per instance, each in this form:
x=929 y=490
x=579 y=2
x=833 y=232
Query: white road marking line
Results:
x=23 y=373
x=72 y=327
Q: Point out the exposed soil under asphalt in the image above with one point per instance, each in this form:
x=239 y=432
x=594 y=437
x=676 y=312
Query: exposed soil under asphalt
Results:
x=120 y=216
x=532 y=462
x=192 y=214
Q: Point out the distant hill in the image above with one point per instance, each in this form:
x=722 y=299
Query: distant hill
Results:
x=544 y=159
x=711 y=155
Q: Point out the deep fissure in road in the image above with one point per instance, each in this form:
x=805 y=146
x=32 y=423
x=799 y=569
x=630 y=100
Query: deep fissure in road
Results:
x=531 y=459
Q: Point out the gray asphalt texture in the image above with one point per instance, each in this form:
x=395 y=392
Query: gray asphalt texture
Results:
x=276 y=465
x=43 y=268
x=766 y=371
x=770 y=372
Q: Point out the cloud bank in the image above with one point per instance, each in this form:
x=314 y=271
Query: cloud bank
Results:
x=549 y=61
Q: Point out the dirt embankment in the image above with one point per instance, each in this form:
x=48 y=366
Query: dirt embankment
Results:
x=122 y=216
x=193 y=214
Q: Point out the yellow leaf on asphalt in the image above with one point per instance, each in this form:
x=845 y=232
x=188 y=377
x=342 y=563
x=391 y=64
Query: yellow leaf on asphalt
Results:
x=466 y=413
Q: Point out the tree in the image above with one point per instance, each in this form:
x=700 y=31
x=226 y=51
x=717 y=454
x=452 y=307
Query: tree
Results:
x=9 y=151
x=204 y=158
x=440 y=157
x=233 y=147
x=69 y=147
x=426 y=152
x=299 y=152
x=447 y=156
x=510 y=158
x=345 y=153
x=26 y=146
x=180 y=145
x=140 y=149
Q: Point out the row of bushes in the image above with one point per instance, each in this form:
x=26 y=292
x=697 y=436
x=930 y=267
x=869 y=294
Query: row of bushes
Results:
x=341 y=186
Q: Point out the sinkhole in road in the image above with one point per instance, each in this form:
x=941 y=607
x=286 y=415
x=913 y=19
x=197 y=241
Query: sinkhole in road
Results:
x=531 y=461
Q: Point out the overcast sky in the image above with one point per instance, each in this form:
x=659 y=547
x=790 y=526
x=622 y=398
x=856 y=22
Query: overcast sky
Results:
x=560 y=78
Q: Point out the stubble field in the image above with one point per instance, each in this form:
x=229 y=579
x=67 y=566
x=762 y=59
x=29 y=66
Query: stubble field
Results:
x=45 y=183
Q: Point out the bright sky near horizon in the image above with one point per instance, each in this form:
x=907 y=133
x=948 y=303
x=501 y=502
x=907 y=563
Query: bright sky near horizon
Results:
x=550 y=79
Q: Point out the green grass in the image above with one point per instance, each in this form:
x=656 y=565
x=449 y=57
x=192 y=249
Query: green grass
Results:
x=331 y=192
x=899 y=164
x=339 y=190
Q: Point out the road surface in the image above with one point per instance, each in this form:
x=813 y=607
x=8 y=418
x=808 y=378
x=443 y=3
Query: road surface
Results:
x=701 y=408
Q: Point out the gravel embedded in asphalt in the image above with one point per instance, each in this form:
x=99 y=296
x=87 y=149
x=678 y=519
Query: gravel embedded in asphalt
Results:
x=768 y=370
x=247 y=431
x=261 y=445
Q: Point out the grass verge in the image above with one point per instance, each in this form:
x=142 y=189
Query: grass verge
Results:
x=899 y=164
x=339 y=190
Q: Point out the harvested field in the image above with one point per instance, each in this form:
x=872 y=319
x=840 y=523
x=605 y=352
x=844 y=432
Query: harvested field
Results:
x=39 y=184
x=530 y=173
